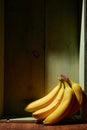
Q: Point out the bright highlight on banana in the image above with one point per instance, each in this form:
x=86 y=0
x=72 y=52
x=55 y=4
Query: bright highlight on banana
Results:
x=64 y=101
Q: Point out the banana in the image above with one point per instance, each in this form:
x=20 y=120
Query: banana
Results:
x=75 y=86
x=60 y=103
x=44 y=112
x=67 y=114
x=74 y=106
x=63 y=109
x=44 y=101
x=78 y=97
x=77 y=90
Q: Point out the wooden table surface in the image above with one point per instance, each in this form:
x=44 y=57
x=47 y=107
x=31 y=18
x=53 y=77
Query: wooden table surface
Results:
x=35 y=126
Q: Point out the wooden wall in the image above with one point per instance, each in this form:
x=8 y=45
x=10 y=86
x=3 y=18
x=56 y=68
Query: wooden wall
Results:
x=24 y=54
x=62 y=40
x=41 y=42
x=1 y=55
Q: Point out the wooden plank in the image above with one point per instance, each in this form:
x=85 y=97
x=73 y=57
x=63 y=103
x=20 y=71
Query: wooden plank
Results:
x=24 y=55
x=33 y=126
x=1 y=55
x=62 y=41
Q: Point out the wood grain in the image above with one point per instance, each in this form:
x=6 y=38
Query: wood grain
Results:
x=1 y=55
x=24 y=55
x=41 y=41
x=33 y=126
x=62 y=41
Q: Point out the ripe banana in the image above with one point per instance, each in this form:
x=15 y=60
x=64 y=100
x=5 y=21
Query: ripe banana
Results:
x=61 y=103
x=78 y=97
x=77 y=90
x=75 y=86
x=74 y=106
x=62 y=109
x=44 y=101
x=44 y=112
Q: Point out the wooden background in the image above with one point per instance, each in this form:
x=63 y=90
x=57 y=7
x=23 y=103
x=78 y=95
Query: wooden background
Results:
x=41 y=42
x=1 y=55
x=33 y=126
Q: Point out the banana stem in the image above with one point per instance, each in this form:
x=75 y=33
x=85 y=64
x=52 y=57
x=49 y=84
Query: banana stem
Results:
x=65 y=78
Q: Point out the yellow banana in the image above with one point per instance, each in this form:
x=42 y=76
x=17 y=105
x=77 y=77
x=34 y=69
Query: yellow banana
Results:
x=77 y=90
x=44 y=112
x=67 y=114
x=75 y=107
x=75 y=86
x=78 y=97
x=44 y=101
x=62 y=109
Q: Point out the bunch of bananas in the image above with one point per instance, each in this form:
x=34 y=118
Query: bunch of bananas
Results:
x=62 y=102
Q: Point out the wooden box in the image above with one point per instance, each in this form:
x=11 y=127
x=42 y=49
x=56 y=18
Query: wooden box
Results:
x=38 y=41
